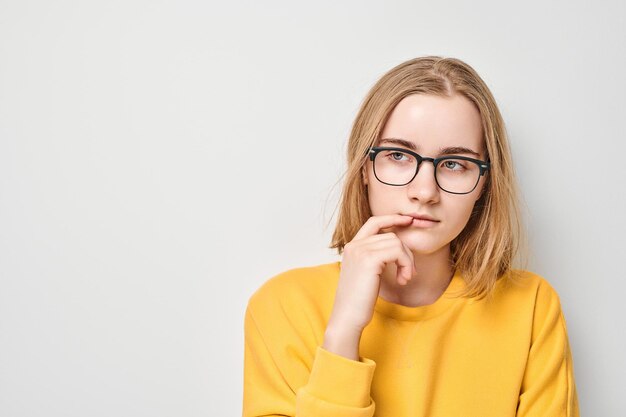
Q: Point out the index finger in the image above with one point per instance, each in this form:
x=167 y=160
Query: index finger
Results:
x=373 y=225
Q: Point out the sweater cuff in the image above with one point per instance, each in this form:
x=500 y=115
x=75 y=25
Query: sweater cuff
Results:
x=339 y=380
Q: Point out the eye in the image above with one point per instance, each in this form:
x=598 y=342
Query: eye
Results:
x=397 y=156
x=453 y=165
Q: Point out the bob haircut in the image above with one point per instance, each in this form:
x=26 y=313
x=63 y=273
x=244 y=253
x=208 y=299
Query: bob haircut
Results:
x=485 y=250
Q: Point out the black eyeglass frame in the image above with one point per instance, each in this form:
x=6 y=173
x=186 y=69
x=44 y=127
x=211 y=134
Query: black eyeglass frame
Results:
x=483 y=166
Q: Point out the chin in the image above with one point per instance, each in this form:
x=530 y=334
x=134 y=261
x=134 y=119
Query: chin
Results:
x=425 y=251
x=420 y=244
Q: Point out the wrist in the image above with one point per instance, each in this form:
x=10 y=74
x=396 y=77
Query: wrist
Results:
x=343 y=341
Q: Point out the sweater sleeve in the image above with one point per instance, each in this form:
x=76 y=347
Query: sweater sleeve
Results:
x=276 y=383
x=548 y=385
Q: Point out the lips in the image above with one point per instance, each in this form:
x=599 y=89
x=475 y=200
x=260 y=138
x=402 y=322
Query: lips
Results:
x=422 y=217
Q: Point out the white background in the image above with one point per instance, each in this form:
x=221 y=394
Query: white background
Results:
x=160 y=160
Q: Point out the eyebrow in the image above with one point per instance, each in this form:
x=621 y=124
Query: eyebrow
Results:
x=451 y=150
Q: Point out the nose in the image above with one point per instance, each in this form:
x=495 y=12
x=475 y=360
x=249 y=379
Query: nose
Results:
x=424 y=187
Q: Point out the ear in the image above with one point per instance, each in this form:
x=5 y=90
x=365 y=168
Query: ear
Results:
x=364 y=175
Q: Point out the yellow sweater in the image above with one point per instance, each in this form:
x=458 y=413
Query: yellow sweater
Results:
x=457 y=357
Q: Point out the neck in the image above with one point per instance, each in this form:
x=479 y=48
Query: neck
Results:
x=433 y=274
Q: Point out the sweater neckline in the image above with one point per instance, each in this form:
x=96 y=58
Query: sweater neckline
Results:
x=407 y=313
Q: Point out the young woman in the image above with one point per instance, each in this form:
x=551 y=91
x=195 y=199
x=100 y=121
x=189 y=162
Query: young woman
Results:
x=424 y=315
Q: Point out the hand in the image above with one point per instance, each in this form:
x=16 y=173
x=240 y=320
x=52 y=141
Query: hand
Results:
x=364 y=260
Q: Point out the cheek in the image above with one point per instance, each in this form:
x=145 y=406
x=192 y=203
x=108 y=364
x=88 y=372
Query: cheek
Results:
x=481 y=188
x=461 y=210
x=380 y=200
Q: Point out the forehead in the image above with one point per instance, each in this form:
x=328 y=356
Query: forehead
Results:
x=434 y=122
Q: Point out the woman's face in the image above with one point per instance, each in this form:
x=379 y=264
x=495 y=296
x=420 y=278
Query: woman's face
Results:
x=429 y=124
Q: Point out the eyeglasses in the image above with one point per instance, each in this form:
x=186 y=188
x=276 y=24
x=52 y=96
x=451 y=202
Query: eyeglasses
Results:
x=453 y=174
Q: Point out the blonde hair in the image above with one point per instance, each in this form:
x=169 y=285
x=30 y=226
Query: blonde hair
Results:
x=485 y=250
